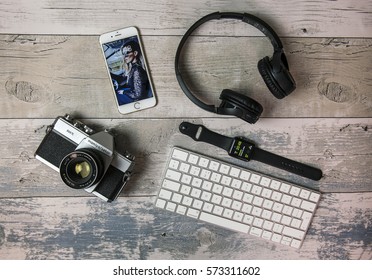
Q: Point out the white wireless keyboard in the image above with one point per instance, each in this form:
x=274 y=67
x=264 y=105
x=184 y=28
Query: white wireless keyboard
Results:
x=236 y=198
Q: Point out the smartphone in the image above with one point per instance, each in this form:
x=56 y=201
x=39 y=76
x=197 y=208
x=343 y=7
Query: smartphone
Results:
x=128 y=70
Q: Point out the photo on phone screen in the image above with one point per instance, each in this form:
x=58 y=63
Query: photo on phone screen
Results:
x=127 y=68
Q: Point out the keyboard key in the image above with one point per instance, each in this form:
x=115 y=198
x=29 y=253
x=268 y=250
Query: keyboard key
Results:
x=214 y=165
x=178 y=154
x=226 y=202
x=195 y=171
x=193 y=213
x=226 y=180
x=217 y=210
x=196 y=182
x=171 y=185
x=195 y=193
x=174 y=164
x=203 y=162
x=309 y=206
x=227 y=192
x=217 y=188
x=236 y=205
x=244 y=175
x=216 y=177
x=275 y=185
x=186 y=179
x=173 y=175
x=224 y=169
x=177 y=198
x=236 y=183
x=234 y=172
x=193 y=159
x=216 y=199
x=266 y=235
x=255 y=178
x=206 y=196
x=171 y=206
x=276 y=237
x=160 y=203
x=256 y=232
x=185 y=189
x=181 y=209
x=208 y=207
x=165 y=194
x=238 y=216
x=295 y=233
x=314 y=197
x=285 y=188
x=223 y=222
x=205 y=174
x=265 y=181
x=304 y=194
x=228 y=213
x=184 y=167
x=187 y=201
x=295 y=191
x=296 y=243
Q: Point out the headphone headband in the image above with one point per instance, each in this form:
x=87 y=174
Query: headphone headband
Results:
x=245 y=17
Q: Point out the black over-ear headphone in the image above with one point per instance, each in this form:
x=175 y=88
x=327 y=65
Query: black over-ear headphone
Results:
x=274 y=71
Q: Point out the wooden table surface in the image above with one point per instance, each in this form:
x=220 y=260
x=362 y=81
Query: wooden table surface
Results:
x=51 y=64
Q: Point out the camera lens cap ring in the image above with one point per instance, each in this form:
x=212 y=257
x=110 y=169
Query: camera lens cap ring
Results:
x=80 y=169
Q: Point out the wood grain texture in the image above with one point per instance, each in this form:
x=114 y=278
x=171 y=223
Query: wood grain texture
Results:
x=45 y=76
x=341 y=148
x=51 y=64
x=301 y=18
x=132 y=228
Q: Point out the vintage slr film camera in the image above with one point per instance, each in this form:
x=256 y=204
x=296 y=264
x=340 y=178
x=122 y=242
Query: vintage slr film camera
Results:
x=85 y=159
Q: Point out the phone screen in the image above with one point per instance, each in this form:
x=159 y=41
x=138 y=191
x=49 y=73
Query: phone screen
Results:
x=127 y=67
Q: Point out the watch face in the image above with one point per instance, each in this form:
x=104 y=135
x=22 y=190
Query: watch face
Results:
x=241 y=149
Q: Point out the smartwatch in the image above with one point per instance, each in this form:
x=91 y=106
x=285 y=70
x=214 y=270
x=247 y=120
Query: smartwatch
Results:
x=243 y=149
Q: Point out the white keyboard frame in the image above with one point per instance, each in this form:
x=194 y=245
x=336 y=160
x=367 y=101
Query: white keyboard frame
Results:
x=237 y=198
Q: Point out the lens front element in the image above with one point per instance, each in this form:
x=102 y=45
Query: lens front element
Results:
x=83 y=169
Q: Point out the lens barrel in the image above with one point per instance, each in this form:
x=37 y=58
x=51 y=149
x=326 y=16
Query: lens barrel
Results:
x=80 y=169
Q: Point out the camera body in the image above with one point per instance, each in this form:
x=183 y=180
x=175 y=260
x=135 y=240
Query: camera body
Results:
x=85 y=159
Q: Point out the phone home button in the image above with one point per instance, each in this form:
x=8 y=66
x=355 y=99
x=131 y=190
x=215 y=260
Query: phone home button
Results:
x=137 y=105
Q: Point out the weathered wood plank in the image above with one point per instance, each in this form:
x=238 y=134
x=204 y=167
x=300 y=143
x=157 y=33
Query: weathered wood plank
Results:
x=340 y=147
x=132 y=228
x=346 y=18
x=43 y=76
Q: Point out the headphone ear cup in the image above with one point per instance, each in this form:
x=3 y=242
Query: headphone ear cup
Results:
x=239 y=105
x=265 y=69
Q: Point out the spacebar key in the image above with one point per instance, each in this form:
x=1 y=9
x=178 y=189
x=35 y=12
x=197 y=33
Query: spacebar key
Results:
x=226 y=223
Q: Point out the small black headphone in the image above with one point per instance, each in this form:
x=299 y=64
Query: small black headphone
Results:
x=274 y=71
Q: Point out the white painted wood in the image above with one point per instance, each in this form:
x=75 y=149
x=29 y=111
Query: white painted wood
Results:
x=299 y=18
x=339 y=147
x=132 y=228
x=45 y=76
x=51 y=64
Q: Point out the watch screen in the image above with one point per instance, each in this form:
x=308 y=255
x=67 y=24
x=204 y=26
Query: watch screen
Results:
x=241 y=149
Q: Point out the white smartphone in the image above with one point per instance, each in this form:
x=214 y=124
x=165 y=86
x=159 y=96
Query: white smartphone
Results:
x=128 y=70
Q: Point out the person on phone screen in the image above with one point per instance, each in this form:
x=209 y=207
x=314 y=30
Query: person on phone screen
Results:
x=135 y=72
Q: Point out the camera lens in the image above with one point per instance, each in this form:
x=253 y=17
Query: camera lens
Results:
x=80 y=169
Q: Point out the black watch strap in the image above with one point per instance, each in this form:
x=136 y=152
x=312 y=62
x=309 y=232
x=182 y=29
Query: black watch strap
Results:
x=287 y=164
x=203 y=134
